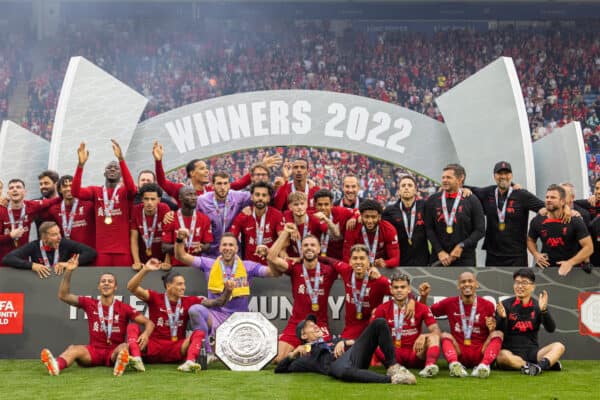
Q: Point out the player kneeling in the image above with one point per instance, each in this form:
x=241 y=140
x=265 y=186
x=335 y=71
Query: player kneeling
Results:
x=413 y=349
x=107 y=323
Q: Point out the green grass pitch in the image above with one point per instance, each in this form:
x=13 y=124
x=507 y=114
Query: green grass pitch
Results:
x=28 y=379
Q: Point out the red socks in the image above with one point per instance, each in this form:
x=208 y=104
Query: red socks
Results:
x=62 y=364
x=433 y=352
x=449 y=350
x=491 y=351
x=195 y=345
x=133 y=331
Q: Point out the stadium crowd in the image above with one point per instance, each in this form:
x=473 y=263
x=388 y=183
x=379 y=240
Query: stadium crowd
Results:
x=173 y=66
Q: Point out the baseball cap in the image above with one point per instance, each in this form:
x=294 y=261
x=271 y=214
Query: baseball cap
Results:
x=502 y=166
x=300 y=326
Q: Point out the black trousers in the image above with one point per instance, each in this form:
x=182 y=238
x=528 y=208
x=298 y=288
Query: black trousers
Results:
x=353 y=365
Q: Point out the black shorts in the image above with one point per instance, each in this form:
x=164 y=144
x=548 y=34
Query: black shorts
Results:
x=529 y=354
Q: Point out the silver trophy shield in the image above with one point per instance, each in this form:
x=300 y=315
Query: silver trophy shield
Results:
x=246 y=341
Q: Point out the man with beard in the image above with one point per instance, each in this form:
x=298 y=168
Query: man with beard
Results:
x=299 y=183
x=520 y=318
x=197 y=224
x=454 y=224
x=350 y=188
x=311 y=284
x=108 y=320
x=413 y=348
x=49 y=254
x=112 y=202
x=74 y=217
x=47 y=180
x=228 y=267
x=259 y=228
x=17 y=217
x=564 y=244
x=170 y=313
x=407 y=215
x=221 y=206
x=472 y=341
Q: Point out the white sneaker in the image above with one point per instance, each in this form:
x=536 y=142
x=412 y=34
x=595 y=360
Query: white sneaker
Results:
x=137 y=364
x=189 y=366
x=429 y=371
x=121 y=362
x=50 y=362
x=481 y=371
x=404 y=377
x=458 y=370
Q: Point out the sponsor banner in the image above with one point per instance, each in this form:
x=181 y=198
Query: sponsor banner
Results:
x=11 y=313
x=63 y=325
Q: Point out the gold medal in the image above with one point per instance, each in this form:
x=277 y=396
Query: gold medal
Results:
x=149 y=251
x=173 y=338
x=449 y=230
x=410 y=242
x=307 y=347
x=323 y=254
x=467 y=342
x=501 y=226
x=315 y=307
x=16 y=242
x=398 y=343
x=108 y=220
x=108 y=341
x=359 y=315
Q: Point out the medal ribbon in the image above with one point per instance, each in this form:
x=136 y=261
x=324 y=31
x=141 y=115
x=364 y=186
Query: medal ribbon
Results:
x=67 y=226
x=45 y=257
x=108 y=206
x=260 y=228
x=173 y=316
x=467 y=325
x=305 y=188
x=313 y=294
x=149 y=236
x=502 y=213
x=372 y=250
x=398 y=321
x=106 y=326
x=413 y=213
x=218 y=211
x=11 y=217
x=358 y=298
x=450 y=219
x=231 y=274
x=305 y=232
x=191 y=228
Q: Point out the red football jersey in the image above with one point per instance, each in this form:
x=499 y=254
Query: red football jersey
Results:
x=245 y=228
x=122 y=314
x=315 y=227
x=340 y=216
x=83 y=229
x=302 y=301
x=111 y=238
x=411 y=329
x=157 y=313
x=449 y=307
x=33 y=208
x=387 y=243
x=376 y=290
x=202 y=232
x=138 y=224
x=281 y=197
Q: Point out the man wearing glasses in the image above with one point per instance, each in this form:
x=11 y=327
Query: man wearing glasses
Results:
x=520 y=318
